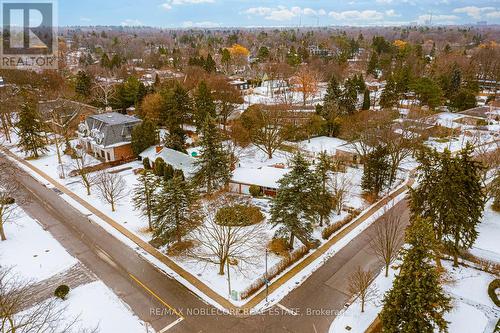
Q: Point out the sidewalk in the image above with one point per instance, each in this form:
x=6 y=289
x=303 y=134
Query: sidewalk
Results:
x=223 y=302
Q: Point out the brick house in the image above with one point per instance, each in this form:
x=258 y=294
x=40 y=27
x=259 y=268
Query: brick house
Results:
x=108 y=135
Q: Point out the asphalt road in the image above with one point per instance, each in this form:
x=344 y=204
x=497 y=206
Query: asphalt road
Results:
x=170 y=307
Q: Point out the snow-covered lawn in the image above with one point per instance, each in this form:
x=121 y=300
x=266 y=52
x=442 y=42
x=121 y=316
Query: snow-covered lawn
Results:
x=111 y=314
x=486 y=245
x=32 y=252
x=473 y=311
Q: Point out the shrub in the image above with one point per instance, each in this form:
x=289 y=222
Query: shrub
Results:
x=255 y=191
x=278 y=246
x=159 y=167
x=146 y=163
x=8 y=201
x=61 y=291
x=168 y=172
x=275 y=270
x=333 y=228
x=493 y=286
x=179 y=248
x=496 y=205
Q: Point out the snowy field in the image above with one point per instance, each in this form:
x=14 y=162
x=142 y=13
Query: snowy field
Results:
x=473 y=311
x=34 y=255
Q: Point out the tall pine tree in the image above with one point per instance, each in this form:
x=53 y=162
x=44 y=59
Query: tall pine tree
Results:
x=416 y=302
x=325 y=200
x=450 y=193
x=376 y=173
x=144 y=136
x=31 y=131
x=294 y=208
x=389 y=96
x=176 y=211
x=204 y=105
x=213 y=166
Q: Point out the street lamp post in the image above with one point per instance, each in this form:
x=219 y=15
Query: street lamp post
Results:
x=267 y=281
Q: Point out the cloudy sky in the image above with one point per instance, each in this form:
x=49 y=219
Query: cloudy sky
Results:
x=249 y=13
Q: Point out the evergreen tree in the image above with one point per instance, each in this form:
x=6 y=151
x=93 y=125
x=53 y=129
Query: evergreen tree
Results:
x=330 y=110
x=129 y=93
x=372 y=64
x=294 y=208
x=366 y=100
x=389 y=97
x=333 y=91
x=495 y=192
x=31 y=131
x=213 y=166
x=176 y=111
x=143 y=136
x=105 y=62
x=226 y=59
x=450 y=195
x=83 y=84
x=376 y=174
x=416 y=302
x=325 y=199
x=349 y=97
x=210 y=66
x=204 y=105
x=469 y=200
x=144 y=194
x=177 y=108
x=175 y=212
x=464 y=99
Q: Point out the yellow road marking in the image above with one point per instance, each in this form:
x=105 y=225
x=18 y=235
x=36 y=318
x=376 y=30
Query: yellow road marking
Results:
x=155 y=296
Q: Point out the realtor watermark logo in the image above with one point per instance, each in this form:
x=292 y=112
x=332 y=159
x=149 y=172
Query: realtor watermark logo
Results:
x=29 y=35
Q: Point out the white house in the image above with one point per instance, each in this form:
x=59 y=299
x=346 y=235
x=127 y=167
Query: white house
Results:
x=265 y=177
x=178 y=160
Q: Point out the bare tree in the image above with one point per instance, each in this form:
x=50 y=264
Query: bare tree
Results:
x=265 y=127
x=220 y=243
x=112 y=188
x=81 y=164
x=387 y=238
x=340 y=185
x=104 y=91
x=18 y=315
x=360 y=285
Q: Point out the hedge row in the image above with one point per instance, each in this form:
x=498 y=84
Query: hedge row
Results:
x=333 y=228
x=275 y=271
x=492 y=287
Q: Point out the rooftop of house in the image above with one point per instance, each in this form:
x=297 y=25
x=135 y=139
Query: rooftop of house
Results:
x=115 y=118
x=176 y=159
x=322 y=144
x=109 y=129
x=264 y=176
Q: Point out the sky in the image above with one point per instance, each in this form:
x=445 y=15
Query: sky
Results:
x=259 y=13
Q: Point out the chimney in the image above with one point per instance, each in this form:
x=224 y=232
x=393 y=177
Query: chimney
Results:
x=159 y=149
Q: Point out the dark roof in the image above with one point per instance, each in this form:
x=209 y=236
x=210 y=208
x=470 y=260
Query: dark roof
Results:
x=114 y=127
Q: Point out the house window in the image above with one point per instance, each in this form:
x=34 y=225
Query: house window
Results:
x=109 y=156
